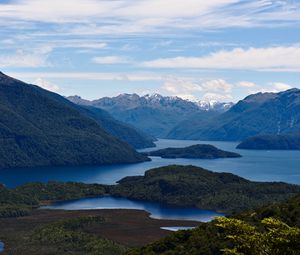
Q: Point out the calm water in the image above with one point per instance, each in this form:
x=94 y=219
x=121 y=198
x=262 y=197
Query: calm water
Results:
x=176 y=228
x=254 y=165
x=156 y=210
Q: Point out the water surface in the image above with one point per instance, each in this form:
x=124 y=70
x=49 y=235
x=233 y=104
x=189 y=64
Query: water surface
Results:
x=1 y=247
x=174 y=229
x=156 y=210
x=254 y=165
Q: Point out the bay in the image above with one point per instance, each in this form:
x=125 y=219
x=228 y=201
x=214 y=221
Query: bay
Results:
x=156 y=210
x=254 y=165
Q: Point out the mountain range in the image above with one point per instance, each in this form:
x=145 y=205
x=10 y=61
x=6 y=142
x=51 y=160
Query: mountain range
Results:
x=41 y=128
x=154 y=114
x=261 y=113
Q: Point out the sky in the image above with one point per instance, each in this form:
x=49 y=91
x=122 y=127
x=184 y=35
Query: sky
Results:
x=196 y=49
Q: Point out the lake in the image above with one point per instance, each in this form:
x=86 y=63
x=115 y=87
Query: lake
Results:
x=254 y=165
x=156 y=210
x=173 y=229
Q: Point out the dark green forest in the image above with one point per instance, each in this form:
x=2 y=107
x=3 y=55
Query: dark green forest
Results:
x=190 y=186
x=201 y=151
x=40 y=128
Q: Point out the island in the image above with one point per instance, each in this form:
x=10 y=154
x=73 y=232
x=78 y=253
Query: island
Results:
x=191 y=186
x=198 y=151
x=272 y=142
x=42 y=231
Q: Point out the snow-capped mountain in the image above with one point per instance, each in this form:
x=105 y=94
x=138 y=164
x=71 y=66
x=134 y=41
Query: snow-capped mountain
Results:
x=154 y=114
x=130 y=101
x=257 y=114
x=214 y=105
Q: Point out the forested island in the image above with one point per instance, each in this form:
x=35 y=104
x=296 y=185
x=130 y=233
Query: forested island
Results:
x=190 y=186
x=272 y=142
x=184 y=186
x=89 y=232
x=200 y=151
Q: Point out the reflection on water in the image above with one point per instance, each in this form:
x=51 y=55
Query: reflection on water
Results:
x=1 y=247
x=156 y=210
x=254 y=165
x=176 y=228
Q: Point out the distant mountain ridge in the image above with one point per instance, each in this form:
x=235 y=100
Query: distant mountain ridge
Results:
x=261 y=113
x=154 y=114
x=121 y=130
x=41 y=128
x=289 y=141
x=130 y=101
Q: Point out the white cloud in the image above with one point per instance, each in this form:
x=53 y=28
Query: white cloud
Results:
x=130 y=16
x=34 y=58
x=246 y=84
x=110 y=60
x=217 y=85
x=215 y=89
x=56 y=11
x=217 y=97
x=149 y=12
x=97 y=76
x=82 y=45
x=273 y=58
x=273 y=87
x=177 y=86
x=47 y=85
x=279 y=86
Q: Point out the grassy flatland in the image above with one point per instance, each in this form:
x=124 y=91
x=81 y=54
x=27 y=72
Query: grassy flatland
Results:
x=123 y=229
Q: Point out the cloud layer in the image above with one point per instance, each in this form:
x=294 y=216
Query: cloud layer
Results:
x=135 y=16
x=264 y=59
x=217 y=49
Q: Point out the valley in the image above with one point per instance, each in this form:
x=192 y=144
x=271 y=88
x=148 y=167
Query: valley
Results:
x=108 y=177
x=150 y=127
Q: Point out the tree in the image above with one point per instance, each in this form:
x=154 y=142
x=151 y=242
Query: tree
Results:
x=272 y=237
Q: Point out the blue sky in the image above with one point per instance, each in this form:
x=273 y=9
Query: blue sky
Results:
x=201 y=50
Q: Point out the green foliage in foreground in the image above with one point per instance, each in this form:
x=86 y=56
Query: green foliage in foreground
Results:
x=197 y=187
x=70 y=236
x=249 y=233
x=276 y=237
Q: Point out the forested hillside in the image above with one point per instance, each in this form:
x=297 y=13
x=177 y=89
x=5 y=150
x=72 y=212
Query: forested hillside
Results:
x=40 y=128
